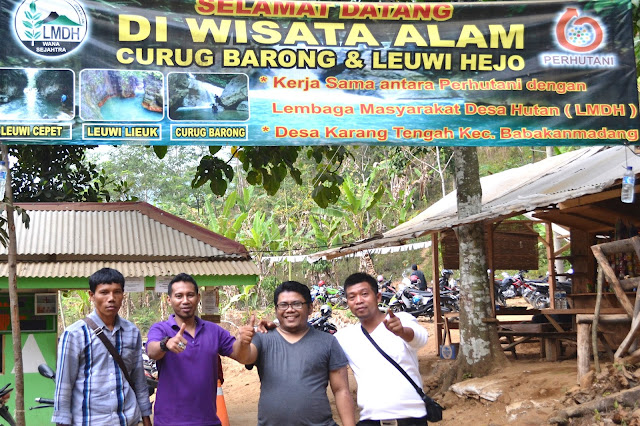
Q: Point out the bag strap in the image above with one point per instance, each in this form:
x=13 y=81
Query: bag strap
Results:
x=100 y=333
x=395 y=364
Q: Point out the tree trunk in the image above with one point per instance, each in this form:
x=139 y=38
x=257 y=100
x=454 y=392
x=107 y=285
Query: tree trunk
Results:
x=16 y=334
x=480 y=350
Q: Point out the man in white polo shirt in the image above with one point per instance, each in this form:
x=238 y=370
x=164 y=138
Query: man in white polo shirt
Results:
x=400 y=336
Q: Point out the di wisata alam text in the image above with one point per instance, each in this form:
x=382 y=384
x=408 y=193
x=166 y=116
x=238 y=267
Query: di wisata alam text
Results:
x=320 y=35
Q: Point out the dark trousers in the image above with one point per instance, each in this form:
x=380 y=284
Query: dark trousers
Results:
x=422 y=421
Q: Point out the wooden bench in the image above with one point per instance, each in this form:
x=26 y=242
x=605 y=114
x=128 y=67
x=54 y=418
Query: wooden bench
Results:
x=516 y=333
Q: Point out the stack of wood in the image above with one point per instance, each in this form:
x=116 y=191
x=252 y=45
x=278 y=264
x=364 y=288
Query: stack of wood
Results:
x=628 y=351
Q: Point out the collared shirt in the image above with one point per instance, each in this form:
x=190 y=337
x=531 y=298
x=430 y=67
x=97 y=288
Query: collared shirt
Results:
x=375 y=375
x=187 y=382
x=91 y=389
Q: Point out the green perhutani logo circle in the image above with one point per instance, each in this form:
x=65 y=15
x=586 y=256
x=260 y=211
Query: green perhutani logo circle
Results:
x=51 y=28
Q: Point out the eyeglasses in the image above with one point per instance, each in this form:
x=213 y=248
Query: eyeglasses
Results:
x=283 y=306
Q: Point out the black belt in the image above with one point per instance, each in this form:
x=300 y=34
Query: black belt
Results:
x=401 y=422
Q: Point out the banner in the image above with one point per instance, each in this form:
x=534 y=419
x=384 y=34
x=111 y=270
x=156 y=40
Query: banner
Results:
x=275 y=72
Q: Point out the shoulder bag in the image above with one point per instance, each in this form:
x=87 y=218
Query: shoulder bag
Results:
x=100 y=333
x=434 y=410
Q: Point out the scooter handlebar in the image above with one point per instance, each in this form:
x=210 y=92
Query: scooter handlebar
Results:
x=47 y=401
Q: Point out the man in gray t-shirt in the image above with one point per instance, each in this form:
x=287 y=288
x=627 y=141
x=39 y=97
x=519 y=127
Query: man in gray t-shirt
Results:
x=295 y=364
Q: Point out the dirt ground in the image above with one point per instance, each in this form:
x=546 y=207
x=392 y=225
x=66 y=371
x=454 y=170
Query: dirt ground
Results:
x=531 y=389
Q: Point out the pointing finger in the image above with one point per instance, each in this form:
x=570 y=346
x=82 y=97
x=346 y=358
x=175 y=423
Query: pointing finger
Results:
x=252 y=321
x=391 y=314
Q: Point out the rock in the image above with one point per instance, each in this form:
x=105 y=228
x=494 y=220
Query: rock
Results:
x=235 y=92
x=13 y=83
x=153 y=90
x=449 y=400
x=243 y=106
x=505 y=398
x=489 y=390
x=52 y=84
x=587 y=380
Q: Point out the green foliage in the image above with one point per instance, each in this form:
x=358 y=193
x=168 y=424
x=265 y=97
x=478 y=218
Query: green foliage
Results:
x=76 y=304
x=269 y=284
x=268 y=166
x=264 y=234
x=246 y=298
x=4 y=235
x=597 y=416
x=136 y=173
x=53 y=173
x=224 y=221
x=214 y=170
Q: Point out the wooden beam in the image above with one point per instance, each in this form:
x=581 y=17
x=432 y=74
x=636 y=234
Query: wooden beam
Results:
x=611 y=277
x=592 y=198
x=621 y=246
x=435 y=271
x=634 y=332
x=606 y=221
x=562 y=249
x=551 y=269
x=573 y=221
x=604 y=214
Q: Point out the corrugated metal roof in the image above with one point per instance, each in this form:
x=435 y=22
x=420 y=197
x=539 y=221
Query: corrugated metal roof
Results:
x=131 y=269
x=77 y=230
x=77 y=239
x=523 y=189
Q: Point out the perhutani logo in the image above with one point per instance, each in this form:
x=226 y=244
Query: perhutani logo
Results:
x=50 y=28
x=578 y=35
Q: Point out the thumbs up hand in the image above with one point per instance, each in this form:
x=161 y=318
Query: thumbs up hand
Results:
x=178 y=343
x=393 y=324
x=246 y=332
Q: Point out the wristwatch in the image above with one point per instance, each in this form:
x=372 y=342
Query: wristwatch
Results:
x=163 y=344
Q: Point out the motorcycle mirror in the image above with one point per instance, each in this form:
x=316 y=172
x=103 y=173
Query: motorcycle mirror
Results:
x=46 y=371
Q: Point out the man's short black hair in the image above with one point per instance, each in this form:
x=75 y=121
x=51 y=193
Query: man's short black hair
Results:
x=361 y=277
x=182 y=277
x=292 y=286
x=414 y=267
x=105 y=276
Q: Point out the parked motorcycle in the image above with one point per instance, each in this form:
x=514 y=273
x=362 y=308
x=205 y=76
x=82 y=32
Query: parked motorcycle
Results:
x=5 y=393
x=388 y=292
x=150 y=370
x=446 y=281
x=47 y=372
x=322 y=321
x=536 y=292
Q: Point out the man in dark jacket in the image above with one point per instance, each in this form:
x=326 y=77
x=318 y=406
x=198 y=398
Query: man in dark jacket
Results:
x=422 y=284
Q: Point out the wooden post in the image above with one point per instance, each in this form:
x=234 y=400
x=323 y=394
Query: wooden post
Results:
x=584 y=349
x=596 y=317
x=492 y=272
x=551 y=256
x=435 y=271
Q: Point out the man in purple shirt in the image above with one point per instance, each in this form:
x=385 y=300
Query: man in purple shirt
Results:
x=186 y=349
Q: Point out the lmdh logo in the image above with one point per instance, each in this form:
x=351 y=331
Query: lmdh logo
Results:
x=50 y=28
x=580 y=34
